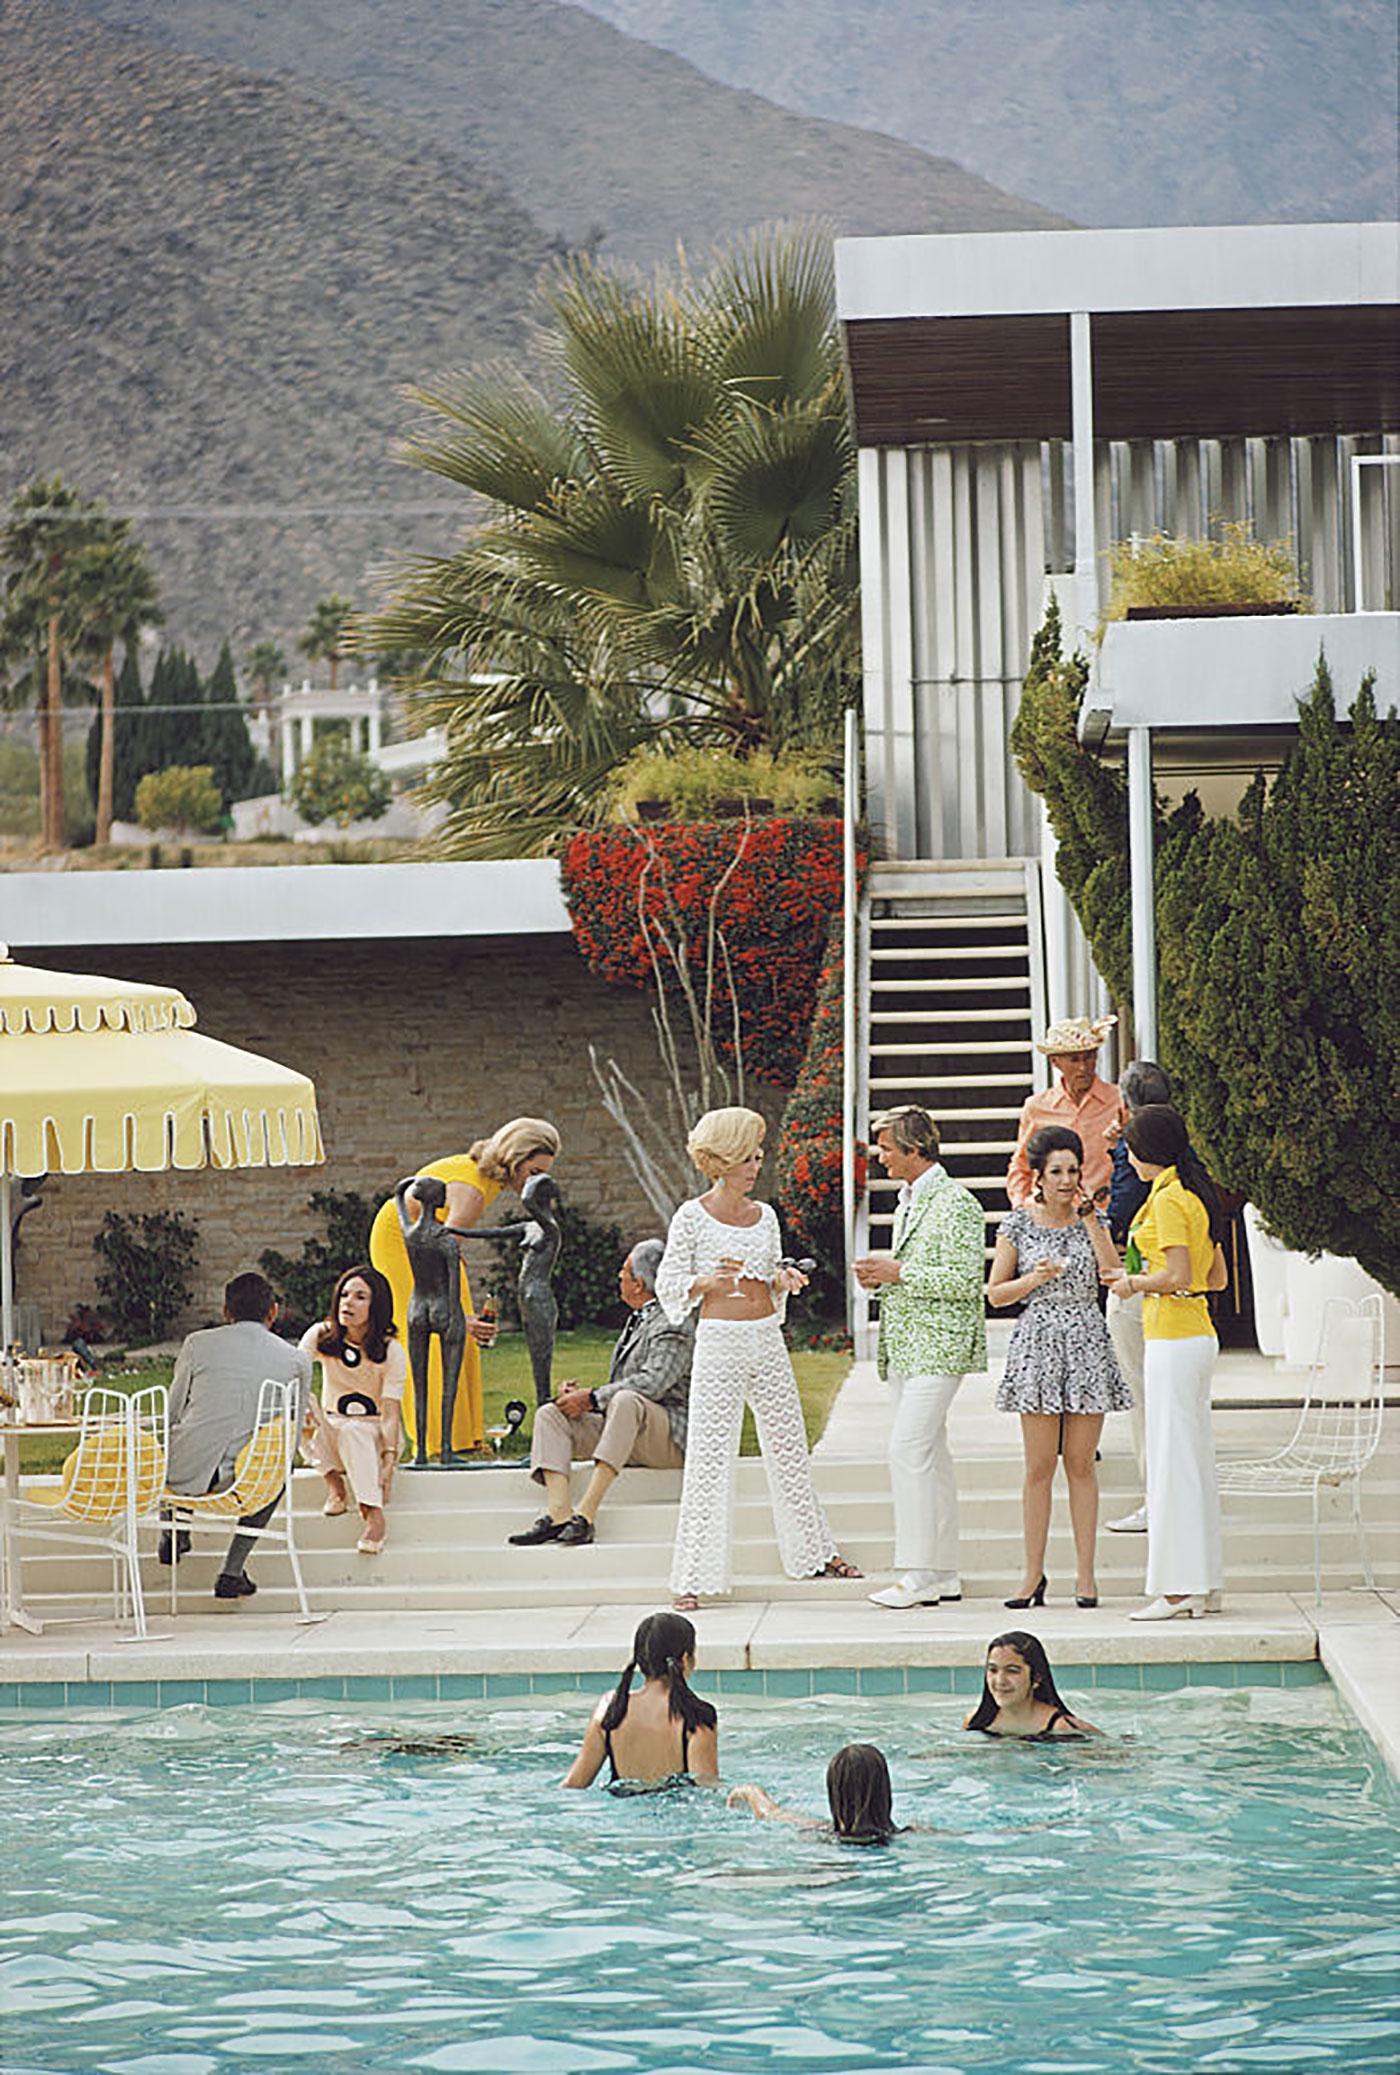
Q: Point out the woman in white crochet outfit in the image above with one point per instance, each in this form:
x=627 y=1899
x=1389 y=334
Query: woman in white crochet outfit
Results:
x=724 y=1254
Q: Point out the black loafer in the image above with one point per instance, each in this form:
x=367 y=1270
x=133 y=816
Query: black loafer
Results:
x=542 y=1530
x=182 y=1545
x=234 y=1585
x=575 y=1532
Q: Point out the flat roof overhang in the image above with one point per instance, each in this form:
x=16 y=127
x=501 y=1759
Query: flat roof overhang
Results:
x=281 y=904
x=1223 y=693
x=1196 y=334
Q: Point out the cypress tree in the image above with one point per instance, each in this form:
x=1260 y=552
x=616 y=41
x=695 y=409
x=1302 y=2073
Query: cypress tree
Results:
x=227 y=747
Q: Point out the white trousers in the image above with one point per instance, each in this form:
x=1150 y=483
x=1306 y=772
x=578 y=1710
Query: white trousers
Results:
x=922 y=1478
x=738 y=1359
x=1125 y=1331
x=1183 y=1496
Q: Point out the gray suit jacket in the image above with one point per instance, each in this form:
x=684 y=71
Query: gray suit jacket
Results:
x=214 y=1398
x=653 y=1357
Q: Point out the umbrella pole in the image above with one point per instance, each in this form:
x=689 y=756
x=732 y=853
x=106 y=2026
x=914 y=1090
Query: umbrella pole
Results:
x=7 y=1283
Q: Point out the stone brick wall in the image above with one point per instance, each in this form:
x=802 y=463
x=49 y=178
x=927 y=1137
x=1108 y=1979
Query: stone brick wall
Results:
x=416 y=1048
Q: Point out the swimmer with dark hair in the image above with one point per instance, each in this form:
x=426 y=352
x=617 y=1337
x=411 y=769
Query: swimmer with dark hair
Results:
x=1019 y=1697
x=858 y=1793
x=661 y=1735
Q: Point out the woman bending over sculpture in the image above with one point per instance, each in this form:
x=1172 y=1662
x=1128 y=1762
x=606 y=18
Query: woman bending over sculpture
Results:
x=525 y=1146
x=724 y=1254
x=354 y=1424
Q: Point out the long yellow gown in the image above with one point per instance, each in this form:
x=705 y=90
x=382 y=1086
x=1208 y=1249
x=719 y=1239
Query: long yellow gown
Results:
x=389 y=1254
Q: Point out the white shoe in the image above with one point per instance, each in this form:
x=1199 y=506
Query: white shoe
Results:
x=907 y=1593
x=1131 y=1523
x=1213 y=1602
x=1164 y=1609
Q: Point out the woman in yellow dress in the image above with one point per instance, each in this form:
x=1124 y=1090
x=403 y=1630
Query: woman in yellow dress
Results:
x=525 y=1146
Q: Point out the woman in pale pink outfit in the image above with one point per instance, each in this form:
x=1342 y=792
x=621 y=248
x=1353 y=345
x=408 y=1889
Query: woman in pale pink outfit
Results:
x=354 y=1435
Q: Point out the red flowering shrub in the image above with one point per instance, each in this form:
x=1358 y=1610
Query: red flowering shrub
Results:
x=773 y=912
x=808 y=1178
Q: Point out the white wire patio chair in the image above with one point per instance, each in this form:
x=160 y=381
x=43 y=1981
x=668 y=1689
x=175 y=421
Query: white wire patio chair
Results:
x=107 y=1487
x=1338 y=1429
x=262 y=1470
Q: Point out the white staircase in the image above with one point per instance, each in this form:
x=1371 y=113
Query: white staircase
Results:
x=952 y=983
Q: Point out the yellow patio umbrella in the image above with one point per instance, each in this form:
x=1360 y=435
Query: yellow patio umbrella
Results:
x=109 y=1076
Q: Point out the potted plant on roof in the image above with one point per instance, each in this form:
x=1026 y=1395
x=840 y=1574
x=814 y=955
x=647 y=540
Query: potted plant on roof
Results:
x=1169 y=577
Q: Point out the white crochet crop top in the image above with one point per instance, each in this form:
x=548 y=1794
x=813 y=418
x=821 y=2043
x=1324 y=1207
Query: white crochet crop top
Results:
x=697 y=1243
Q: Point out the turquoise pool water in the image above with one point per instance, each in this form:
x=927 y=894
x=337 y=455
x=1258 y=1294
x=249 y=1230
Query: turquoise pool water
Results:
x=199 y=1890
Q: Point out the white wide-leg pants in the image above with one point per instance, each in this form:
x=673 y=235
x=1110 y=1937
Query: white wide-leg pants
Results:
x=738 y=1359
x=922 y=1479
x=1183 y=1496
x=1125 y=1331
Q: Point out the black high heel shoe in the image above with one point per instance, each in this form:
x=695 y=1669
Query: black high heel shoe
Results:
x=1035 y=1599
x=1086 y=1599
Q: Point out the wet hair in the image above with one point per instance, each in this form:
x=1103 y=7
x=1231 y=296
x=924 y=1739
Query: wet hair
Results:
x=644 y=1260
x=380 y=1324
x=1157 y=1133
x=723 y=1138
x=250 y=1297
x=505 y=1151
x=1052 y=1138
x=1143 y=1081
x=860 y=1797
x=1031 y=1651
x=659 y=1650
x=912 y=1129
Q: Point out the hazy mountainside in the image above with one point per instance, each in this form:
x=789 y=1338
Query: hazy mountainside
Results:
x=1114 y=111
x=588 y=128
x=230 y=232
x=214 y=287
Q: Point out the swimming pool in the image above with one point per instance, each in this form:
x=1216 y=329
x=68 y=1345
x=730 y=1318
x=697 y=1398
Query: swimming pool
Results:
x=198 y=1889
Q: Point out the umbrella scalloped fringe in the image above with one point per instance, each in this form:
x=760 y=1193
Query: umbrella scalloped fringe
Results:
x=284 y=1135
x=36 y=1015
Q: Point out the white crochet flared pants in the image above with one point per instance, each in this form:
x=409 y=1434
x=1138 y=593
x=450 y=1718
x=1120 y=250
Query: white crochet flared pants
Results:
x=738 y=1359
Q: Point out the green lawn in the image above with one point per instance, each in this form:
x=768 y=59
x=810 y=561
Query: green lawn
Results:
x=581 y=1357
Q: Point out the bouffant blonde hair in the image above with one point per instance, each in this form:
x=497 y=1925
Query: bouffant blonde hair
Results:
x=723 y=1138
x=501 y=1154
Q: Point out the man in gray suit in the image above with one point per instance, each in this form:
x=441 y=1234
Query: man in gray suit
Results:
x=638 y=1416
x=213 y=1409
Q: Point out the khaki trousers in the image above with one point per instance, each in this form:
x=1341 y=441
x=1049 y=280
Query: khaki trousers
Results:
x=633 y=1430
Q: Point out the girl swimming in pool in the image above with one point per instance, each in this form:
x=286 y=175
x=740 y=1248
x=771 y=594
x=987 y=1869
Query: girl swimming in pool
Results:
x=1019 y=1696
x=858 y=1793
x=662 y=1733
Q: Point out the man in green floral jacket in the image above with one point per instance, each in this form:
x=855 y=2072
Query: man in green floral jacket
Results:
x=932 y=1333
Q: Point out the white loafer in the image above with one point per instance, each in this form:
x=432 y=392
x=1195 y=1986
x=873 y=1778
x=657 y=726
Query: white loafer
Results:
x=1164 y=1609
x=902 y=1596
x=1130 y=1524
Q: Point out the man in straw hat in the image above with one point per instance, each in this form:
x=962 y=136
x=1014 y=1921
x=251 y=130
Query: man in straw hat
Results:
x=1080 y=1101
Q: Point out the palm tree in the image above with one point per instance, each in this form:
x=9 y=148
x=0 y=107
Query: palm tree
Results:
x=324 y=637
x=669 y=553
x=113 y=596
x=47 y=526
x=265 y=663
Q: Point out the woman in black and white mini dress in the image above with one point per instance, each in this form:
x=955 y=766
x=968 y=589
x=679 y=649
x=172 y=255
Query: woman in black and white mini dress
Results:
x=1061 y=1372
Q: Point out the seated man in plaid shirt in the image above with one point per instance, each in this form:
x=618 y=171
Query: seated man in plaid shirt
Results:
x=637 y=1417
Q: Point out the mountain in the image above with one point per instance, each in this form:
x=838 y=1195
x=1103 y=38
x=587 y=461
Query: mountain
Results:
x=230 y=233
x=593 y=131
x=215 y=288
x=1114 y=111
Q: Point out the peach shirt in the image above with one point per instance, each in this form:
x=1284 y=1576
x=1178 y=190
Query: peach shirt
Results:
x=1101 y=1106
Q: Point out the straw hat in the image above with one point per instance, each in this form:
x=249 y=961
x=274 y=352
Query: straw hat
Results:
x=1075 y=1034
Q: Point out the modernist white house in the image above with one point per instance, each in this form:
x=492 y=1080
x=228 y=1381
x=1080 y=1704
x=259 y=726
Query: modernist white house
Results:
x=1022 y=402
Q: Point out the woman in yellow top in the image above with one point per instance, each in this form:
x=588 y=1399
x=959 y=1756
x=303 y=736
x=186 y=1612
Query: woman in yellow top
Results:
x=1177 y=1234
x=524 y=1146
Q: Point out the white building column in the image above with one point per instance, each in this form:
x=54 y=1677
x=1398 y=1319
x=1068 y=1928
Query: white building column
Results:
x=376 y=730
x=1144 y=919
x=1086 y=565
x=307 y=726
x=289 y=758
